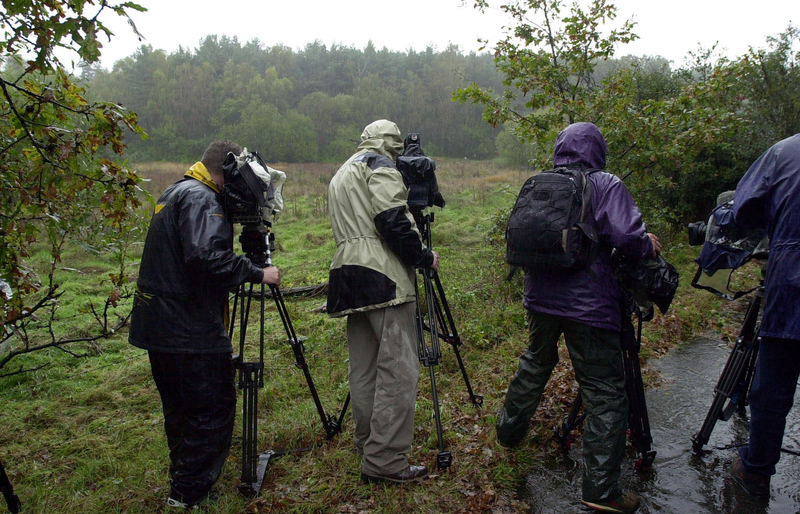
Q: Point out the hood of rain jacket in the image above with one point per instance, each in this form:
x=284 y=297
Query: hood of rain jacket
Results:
x=377 y=241
x=188 y=266
x=768 y=197
x=591 y=296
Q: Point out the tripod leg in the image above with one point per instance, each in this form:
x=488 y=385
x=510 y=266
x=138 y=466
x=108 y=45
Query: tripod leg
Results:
x=250 y=485
x=251 y=378
x=239 y=292
x=747 y=381
x=330 y=424
x=638 y=419
x=450 y=334
x=12 y=500
x=429 y=356
x=573 y=420
x=730 y=388
x=444 y=459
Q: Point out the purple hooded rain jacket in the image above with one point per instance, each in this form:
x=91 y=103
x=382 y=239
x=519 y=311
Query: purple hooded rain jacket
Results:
x=591 y=296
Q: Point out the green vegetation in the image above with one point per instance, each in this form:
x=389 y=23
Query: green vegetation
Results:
x=81 y=420
x=86 y=435
x=59 y=187
x=683 y=135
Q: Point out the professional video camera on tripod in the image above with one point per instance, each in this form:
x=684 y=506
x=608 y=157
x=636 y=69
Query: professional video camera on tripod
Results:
x=418 y=173
x=726 y=249
x=253 y=199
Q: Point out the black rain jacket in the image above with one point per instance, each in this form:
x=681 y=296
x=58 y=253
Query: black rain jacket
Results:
x=188 y=266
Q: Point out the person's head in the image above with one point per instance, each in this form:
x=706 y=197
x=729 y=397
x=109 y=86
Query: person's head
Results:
x=215 y=155
x=386 y=134
x=580 y=144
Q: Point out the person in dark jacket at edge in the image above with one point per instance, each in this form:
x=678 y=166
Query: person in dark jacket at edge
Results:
x=371 y=281
x=768 y=197
x=188 y=266
x=584 y=306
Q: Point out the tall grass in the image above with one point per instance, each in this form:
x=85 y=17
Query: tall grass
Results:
x=85 y=435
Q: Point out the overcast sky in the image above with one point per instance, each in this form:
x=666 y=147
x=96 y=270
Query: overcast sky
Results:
x=668 y=28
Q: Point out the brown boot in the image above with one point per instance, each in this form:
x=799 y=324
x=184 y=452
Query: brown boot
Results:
x=410 y=474
x=624 y=503
x=755 y=485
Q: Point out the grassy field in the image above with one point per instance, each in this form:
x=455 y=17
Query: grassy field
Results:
x=85 y=434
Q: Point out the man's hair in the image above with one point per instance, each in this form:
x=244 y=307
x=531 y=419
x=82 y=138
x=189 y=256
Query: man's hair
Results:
x=215 y=154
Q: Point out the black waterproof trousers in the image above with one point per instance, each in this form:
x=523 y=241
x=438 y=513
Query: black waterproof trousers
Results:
x=199 y=401
x=597 y=359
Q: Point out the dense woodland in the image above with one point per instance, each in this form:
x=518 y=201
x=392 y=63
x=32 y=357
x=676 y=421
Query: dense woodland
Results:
x=684 y=130
x=305 y=105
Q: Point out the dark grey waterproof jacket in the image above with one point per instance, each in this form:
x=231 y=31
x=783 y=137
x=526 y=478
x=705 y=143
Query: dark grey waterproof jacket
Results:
x=188 y=266
x=591 y=296
x=768 y=197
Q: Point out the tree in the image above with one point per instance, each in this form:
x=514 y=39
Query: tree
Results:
x=771 y=82
x=674 y=133
x=56 y=184
x=550 y=64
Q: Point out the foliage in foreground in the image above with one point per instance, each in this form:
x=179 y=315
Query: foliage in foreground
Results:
x=86 y=435
x=57 y=187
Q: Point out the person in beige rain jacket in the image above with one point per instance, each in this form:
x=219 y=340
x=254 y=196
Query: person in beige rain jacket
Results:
x=371 y=282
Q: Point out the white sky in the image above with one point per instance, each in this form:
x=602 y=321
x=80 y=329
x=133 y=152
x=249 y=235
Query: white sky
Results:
x=670 y=28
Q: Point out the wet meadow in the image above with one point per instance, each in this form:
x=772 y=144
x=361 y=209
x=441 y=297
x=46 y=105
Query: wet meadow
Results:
x=84 y=431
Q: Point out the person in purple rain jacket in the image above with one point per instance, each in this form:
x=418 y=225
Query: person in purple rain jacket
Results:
x=584 y=306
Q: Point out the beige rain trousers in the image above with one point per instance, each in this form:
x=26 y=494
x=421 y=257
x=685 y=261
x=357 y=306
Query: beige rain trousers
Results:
x=384 y=369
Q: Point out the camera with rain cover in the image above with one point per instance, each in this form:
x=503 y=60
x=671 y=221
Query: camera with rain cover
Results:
x=419 y=175
x=252 y=198
x=726 y=247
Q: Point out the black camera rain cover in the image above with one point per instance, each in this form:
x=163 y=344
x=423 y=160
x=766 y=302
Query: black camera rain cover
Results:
x=419 y=175
x=650 y=280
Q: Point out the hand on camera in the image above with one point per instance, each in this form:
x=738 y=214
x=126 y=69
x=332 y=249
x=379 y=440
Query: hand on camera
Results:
x=272 y=276
x=656 y=244
x=435 y=265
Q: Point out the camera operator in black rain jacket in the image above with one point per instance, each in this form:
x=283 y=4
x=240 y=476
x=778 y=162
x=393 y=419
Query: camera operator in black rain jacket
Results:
x=188 y=266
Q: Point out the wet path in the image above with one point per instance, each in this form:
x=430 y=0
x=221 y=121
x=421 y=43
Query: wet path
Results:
x=680 y=483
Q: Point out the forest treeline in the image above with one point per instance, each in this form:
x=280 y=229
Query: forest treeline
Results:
x=683 y=129
x=305 y=105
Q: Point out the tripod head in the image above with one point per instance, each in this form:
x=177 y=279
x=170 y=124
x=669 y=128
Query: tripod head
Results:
x=258 y=243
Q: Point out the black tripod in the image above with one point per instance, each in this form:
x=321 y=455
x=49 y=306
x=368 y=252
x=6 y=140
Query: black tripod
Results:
x=257 y=243
x=439 y=325
x=14 y=505
x=638 y=419
x=730 y=394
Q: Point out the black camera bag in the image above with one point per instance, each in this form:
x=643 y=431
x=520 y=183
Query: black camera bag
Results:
x=549 y=224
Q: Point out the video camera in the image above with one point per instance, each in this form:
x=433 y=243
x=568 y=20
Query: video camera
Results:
x=252 y=196
x=419 y=175
x=726 y=247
